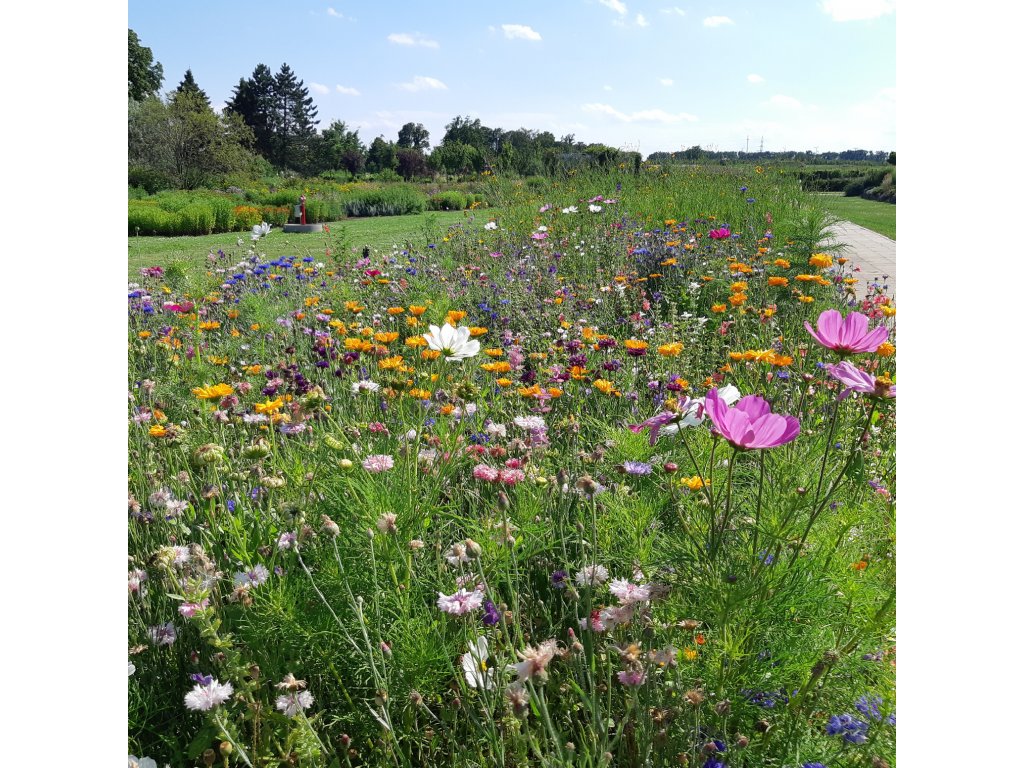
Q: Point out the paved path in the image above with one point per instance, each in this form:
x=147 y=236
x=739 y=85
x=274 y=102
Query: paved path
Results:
x=875 y=254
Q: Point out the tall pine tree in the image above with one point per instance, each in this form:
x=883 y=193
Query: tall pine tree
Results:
x=296 y=119
x=253 y=100
x=189 y=86
x=280 y=112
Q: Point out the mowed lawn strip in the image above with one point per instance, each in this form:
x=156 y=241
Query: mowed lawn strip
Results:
x=876 y=216
x=378 y=232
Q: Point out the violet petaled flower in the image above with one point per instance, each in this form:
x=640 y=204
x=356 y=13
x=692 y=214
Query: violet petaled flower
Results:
x=857 y=380
x=847 y=335
x=655 y=423
x=491 y=615
x=750 y=423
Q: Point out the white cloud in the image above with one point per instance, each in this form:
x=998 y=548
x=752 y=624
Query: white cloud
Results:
x=607 y=88
x=674 y=11
x=755 y=79
x=420 y=83
x=335 y=14
x=520 y=32
x=616 y=5
x=666 y=81
x=717 y=21
x=404 y=38
x=318 y=88
x=346 y=90
x=857 y=10
x=788 y=102
x=644 y=116
x=641 y=21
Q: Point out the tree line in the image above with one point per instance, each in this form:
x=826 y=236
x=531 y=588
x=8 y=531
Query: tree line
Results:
x=270 y=124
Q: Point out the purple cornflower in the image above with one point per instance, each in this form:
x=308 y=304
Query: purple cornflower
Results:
x=850 y=728
x=491 y=615
x=558 y=579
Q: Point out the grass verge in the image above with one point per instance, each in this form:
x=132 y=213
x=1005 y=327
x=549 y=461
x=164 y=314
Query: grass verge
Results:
x=878 y=217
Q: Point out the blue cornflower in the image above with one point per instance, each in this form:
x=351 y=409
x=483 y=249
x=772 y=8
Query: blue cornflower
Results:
x=231 y=505
x=743 y=189
x=850 y=728
x=814 y=765
x=637 y=468
x=558 y=579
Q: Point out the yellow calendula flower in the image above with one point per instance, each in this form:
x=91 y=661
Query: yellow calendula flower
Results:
x=694 y=483
x=390 y=363
x=504 y=382
x=415 y=341
x=820 y=260
x=386 y=337
x=476 y=330
x=603 y=385
x=157 y=430
x=885 y=349
x=499 y=366
x=214 y=392
x=209 y=325
x=269 y=407
x=807 y=299
x=888 y=311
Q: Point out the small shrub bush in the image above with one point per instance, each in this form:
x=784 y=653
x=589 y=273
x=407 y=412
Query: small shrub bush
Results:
x=246 y=216
x=395 y=200
x=448 y=201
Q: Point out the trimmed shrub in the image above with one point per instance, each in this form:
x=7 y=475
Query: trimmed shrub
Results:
x=396 y=200
x=447 y=201
x=195 y=219
x=223 y=215
x=147 y=218
x=247 y=217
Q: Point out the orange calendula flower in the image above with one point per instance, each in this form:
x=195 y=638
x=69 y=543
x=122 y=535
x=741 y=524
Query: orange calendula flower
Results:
x=737 y=298
x=395 y=310
x=504 y=382
x=739 y=286
x=807 y=278
x=454 y=316
x=635 y=344
x=860 y=565
x=577 y=372
x=820 y=260
x=312 y=301
x=496 y=352
x=157 y=430
x=447 y=408
x=807 y=299
x=415 y=341
x=476 y=330
x=416 y=311
x=885 y=349
x=354 y=307
x=718 y=308
x=605 y=386
x=253 y=370
x=888 y=311
x=776 y=282
x=209 y=325
x=430 y=354
x=671 y=349
x=694 y=483
x=254 y=327
x=233 y=314
x=390 y=363
x=145 y=334
x=499 y=366
x=781 y=263
x=386 y=337
x=214 y=392
x=690 y=654
x=554 y=392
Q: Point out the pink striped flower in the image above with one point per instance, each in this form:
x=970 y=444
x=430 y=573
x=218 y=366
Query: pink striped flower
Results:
x=847 y=335
x=857 y=380
x=750 y=423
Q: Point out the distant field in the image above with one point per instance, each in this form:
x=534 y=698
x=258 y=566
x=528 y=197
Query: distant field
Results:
x=878 y=217
x=378 y=232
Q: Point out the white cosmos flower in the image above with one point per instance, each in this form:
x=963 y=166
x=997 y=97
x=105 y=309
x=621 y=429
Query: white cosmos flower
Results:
x=474 y=665
x=141 y=762
x=695 y=413
x=491 y=225
x=453 y=343
x=260 y=230
x=594 y=208
x=571 y=209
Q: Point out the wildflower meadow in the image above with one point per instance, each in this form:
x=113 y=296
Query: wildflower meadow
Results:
x=603 y=476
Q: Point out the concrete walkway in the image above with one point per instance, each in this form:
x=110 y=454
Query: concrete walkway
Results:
x=875 y=254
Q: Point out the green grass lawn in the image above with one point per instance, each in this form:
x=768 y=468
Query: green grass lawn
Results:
x=378 y=232
x=878 y=217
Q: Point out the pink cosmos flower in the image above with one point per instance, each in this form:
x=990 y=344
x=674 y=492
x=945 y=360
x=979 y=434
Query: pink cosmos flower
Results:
x=461 y=603
x=378 y=463
x=751 y=423
x=849 y=335
x=722 y=233
x=857 y=380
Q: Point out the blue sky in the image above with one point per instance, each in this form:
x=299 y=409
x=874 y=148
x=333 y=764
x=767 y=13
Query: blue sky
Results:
x=652 y=75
